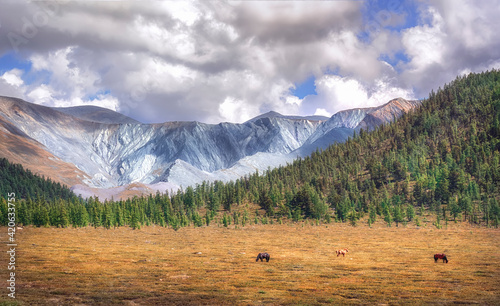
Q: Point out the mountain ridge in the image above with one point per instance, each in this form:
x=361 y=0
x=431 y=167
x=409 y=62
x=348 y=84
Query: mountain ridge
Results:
x=97 y=114
x=115 y=154
x=273 y=114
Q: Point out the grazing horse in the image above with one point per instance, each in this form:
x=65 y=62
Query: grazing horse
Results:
x=342 y=251
x=440 y=256
x=263 y=256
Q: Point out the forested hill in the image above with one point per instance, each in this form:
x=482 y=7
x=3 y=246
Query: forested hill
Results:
x=15 y=179
x=441 y=159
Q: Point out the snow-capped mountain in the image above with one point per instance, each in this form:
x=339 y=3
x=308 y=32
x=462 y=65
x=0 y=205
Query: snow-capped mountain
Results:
x=108 y=149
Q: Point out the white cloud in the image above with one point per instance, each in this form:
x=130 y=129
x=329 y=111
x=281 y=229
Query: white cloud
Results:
x=184 y=11
x=337 y=93
x=322 y=112
x=13 y=77
x=293 y=100
x=384 y=91
x=233 y=110
x=341 y=93
x=11 y=84
x=453 y=38
x=425 y=44
x=225 y=61
x=68 y=86
x=42 y=94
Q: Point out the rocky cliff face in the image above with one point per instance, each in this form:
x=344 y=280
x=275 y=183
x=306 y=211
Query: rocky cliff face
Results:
x=113 y=150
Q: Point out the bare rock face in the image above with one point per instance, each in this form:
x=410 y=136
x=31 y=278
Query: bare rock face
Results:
x=107 y=149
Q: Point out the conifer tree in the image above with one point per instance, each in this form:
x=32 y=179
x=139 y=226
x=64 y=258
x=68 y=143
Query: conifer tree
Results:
x=134 y=219
x=387 y=215
x=107 y=218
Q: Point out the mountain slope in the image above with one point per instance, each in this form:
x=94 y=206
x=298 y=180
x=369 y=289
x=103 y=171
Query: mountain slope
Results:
x=18 y=147
x=115 y=154
x=25 y=184
x=344 y=123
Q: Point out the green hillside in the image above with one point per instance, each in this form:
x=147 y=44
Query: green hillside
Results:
x=14 y=178
x=442 y=159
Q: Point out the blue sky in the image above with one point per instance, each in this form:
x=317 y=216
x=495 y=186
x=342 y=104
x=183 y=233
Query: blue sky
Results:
x=376 y=15
x=305 y=88
x=10 y=60
x=215 y=61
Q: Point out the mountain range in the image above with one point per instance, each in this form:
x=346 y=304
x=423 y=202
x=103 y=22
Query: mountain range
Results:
x=102 y=152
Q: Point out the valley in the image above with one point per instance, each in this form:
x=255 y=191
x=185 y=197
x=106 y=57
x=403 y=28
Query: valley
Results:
x=152 y=152
x=155 y=265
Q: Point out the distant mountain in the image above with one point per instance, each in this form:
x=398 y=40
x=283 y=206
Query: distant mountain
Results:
x=273 y=114
x=105 y=149
x=96 y=114
x=343 y=124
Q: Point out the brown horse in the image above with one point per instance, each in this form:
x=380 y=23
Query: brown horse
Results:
x=263 y=256
x=440 y=256
x=342 y=251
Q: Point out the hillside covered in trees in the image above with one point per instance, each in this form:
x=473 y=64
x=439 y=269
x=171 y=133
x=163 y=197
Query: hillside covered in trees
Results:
x=441 y=159
x=25 y=184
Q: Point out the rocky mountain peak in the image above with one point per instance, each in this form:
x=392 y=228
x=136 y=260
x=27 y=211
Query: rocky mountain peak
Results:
x=108 y=153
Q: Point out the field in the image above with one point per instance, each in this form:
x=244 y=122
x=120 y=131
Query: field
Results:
x=216 y=265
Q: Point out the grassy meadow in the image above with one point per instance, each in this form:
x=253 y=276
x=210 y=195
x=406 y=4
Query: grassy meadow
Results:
x=216 y=265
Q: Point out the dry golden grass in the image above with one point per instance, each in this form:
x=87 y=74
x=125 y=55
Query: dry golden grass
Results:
x=217 y=266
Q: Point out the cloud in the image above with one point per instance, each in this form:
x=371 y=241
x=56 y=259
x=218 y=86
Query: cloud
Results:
x=233 y=110
x=322 y=112
x=229 y=61
x=13 y=77
x=452 y=38
x=11 y=83
x=337 y=93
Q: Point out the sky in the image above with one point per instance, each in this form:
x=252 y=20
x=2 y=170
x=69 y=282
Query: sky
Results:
x=225 y=61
